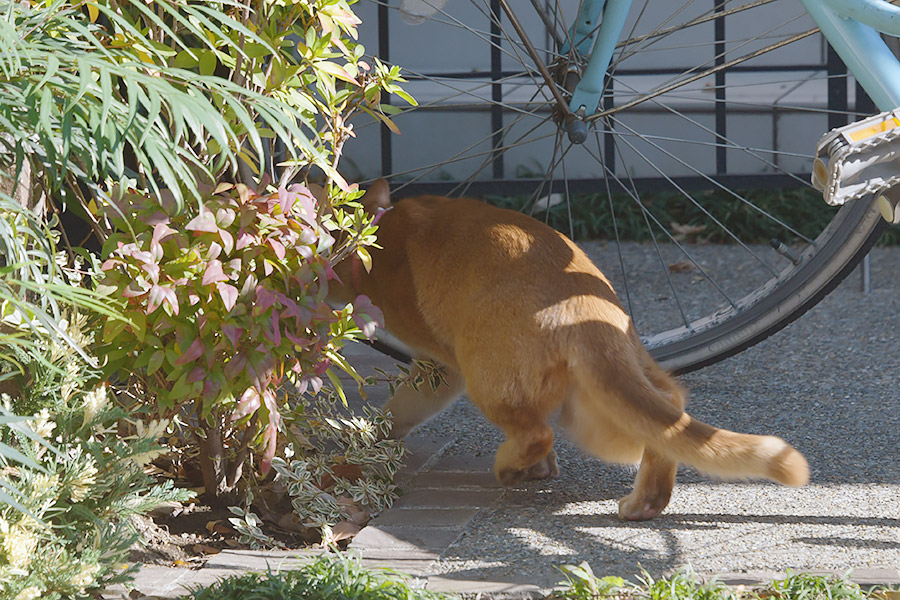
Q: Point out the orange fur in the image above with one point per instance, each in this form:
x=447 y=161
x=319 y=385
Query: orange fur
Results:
x=524 y=322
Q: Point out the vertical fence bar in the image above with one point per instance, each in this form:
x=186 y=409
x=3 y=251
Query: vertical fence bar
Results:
x=609 y=142
x=496 y=92
x=721 y=120
x=837 y=90
x=384 y=53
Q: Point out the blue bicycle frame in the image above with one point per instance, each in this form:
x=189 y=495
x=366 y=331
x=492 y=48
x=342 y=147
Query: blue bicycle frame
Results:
x=852 y=27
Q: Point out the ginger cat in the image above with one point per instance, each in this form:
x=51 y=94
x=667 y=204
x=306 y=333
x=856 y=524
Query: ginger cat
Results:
x=524 y=322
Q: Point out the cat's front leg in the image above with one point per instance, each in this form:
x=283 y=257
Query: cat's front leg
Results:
x=544 y=469
x=411 y=405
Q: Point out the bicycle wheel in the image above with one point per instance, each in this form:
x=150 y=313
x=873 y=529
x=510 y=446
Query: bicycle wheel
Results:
x=696 y=160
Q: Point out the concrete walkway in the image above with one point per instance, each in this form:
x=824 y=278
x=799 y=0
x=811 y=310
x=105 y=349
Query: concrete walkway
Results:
x=830 y=384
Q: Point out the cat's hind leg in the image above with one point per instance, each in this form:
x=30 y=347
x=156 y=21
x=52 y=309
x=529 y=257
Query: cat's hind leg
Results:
x=656 y=476
x=652 y=488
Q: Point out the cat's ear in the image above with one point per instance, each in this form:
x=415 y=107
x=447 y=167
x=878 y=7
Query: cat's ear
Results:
x=377 y=196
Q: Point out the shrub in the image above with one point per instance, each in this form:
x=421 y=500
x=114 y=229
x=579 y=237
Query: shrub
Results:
x=226 y=306
x=71 y=531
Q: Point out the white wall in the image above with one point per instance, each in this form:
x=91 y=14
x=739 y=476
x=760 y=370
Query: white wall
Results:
x=452 y=127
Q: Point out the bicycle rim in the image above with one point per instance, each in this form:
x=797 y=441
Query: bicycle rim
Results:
x=693 y=129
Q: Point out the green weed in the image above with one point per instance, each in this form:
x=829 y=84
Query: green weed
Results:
x=582 y=584
x=802 y=586
x=328 y=577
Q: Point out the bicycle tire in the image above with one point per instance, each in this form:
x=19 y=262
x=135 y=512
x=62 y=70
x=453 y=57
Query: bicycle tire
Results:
x=860 y=227
x=771 y=301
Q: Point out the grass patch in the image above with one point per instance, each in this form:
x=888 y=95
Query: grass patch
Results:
x=582 y=584
x=328 y=577
x=801 y=208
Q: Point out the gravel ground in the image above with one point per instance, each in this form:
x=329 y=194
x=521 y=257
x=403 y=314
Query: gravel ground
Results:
x=828 y=384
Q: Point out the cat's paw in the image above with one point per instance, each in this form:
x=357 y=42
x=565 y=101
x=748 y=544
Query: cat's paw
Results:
x=510 y=477
x=636 y=507
x=545 y=469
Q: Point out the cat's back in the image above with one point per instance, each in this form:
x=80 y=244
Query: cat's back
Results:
x=480 y=233
x=466 y=252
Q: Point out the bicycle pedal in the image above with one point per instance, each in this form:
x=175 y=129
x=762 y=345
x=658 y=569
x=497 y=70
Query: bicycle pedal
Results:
x=859 y=159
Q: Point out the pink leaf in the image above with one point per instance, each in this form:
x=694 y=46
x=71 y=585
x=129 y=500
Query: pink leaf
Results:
x=307 y=203
x=247 y=405
x=278 y=248
x=229 y=295
x=271 y=445
x=304 y=383
x=204 y=223
x=322 y=367
x=233 y=333
x=274 y=335
x=161 y=231
x=270 y=437
x=170 y=299
x=142 y=256
x=213 y=273
x=151 y=269
x=286 y=199
x=244 y=239
x=367 y=316
x=227 y=241
x=194 y=351
x=326 y=241
x=264 y=299
x=308 y=236
x=110 y=263
x=154 y=299
x=135 y=288
x=225 y=217
x=214 y=251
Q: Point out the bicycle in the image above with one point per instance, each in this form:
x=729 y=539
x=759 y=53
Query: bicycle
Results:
x=546 y=72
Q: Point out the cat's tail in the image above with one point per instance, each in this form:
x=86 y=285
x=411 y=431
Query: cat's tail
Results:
x=646 y=411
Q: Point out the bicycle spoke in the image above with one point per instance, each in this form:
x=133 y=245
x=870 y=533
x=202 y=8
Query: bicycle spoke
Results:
x=690 y=198
x=631 y=190
x=612 y=214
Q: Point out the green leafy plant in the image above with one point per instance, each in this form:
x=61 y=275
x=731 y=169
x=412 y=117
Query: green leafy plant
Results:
x=249 y=527
x=34 y=335
x=683 y=585
x=224 y=307
x=582 y=584
x=85 y=95
x=70 y=530
x=803 y=586
x=327 y=577
x=340 y=466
